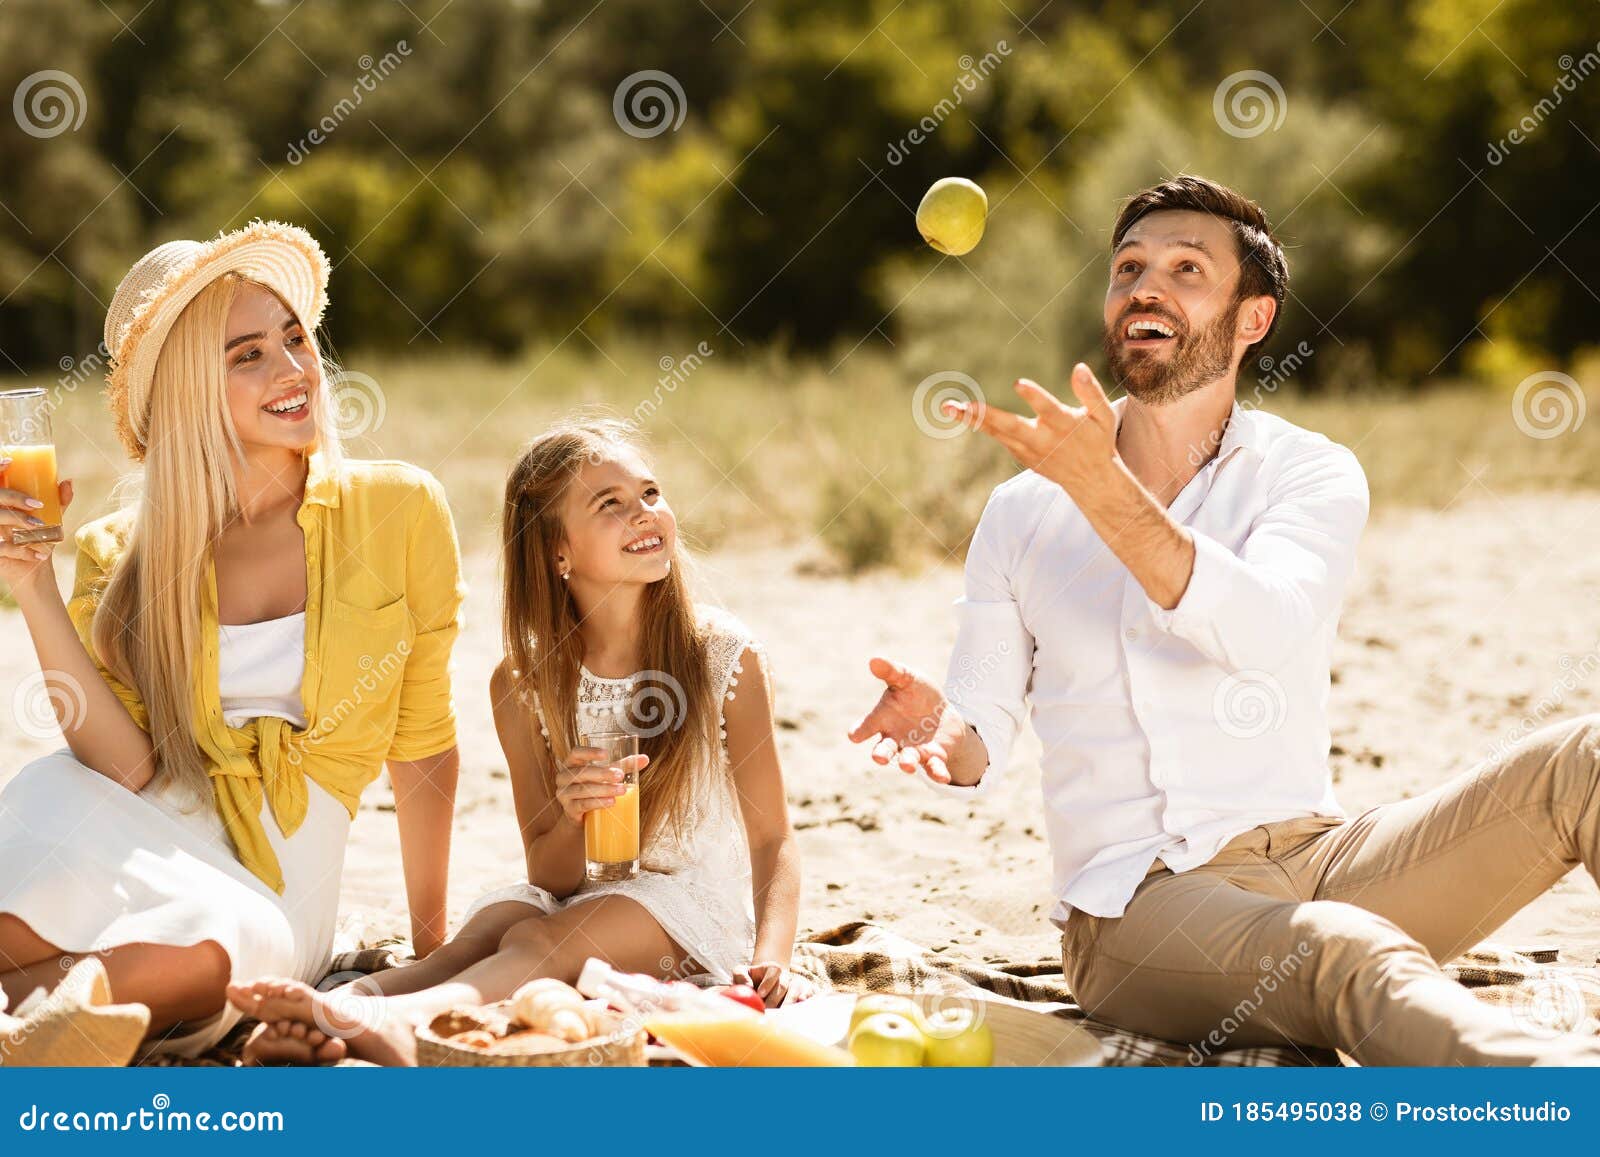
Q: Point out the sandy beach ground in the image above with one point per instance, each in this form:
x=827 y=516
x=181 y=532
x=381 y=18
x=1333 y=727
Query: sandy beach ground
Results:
x=1462 y=626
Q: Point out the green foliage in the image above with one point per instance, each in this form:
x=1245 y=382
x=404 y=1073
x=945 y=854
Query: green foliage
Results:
x=480 y=192
x=1029 y=301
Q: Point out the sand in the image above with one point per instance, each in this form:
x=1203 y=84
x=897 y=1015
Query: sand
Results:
x=1460 y=625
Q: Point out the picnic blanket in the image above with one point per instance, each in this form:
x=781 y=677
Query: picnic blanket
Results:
x=1546 y=993
x=864 y=957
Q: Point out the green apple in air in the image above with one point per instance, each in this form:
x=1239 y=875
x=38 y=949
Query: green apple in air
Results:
x=885 y=1040
x=952 y=215
x=958 y=1038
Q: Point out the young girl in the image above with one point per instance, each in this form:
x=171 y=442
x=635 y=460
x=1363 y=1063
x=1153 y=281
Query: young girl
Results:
x=599 y=623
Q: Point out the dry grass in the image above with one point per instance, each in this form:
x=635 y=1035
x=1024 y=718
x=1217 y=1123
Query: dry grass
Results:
x=768 y=448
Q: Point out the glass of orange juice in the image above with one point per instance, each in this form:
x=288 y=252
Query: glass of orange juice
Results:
x=25 y=438
x=611 y=834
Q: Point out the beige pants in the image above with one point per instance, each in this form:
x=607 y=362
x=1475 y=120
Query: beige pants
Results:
x=1327 y=932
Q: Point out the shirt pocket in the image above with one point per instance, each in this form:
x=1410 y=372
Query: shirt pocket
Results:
x=363 y=667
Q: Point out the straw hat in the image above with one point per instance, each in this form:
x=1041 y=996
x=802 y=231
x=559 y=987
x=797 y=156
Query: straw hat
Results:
x=161 y=283
x=74 y=1026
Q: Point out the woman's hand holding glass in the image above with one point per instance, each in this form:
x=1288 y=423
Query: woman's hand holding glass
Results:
x=21 y=563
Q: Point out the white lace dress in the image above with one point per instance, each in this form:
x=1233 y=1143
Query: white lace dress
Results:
x=88 y=864
x=697 y=887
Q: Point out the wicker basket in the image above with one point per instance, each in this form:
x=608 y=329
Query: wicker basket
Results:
x=621 y=1049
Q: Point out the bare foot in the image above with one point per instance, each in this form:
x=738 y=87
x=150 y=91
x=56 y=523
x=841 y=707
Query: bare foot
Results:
x=363 y=1023
x=291 y=1043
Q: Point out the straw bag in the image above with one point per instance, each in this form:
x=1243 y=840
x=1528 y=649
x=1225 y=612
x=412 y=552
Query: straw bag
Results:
x=75 y=1026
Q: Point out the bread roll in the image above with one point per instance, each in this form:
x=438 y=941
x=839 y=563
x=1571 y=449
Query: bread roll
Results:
x=533 y=1007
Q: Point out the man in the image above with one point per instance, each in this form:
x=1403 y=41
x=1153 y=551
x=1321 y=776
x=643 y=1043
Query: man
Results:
x=1162 y=584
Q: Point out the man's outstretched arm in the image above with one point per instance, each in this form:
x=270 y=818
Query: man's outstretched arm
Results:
x=1242 y=609
x=958 y=734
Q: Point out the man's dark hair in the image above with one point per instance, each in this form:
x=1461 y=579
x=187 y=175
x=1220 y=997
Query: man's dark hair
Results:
x=1263 y=272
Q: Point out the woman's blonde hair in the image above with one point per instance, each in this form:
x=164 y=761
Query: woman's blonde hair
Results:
x=147 y=628
x=674 y=704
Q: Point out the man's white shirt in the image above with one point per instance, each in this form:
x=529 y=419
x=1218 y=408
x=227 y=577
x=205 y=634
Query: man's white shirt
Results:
x=1165 y=733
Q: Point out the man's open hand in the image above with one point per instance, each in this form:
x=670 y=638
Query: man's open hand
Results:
x=1073 y=447
x=916 y=725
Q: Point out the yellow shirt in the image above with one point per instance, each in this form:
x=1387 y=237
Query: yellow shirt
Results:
x=383 y=605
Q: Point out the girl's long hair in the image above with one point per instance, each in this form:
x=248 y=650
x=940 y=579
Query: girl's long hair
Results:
x=147 y=628
x=673 y=705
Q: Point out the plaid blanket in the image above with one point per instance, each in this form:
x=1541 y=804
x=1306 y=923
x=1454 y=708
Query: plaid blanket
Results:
x=865 y=957
x=1546 y=993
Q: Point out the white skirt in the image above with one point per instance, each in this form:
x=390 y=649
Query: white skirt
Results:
x=710 y=923
x=89 y=865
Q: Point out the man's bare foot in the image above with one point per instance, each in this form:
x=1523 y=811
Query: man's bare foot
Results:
x=287 y=1042
x=363 y=1023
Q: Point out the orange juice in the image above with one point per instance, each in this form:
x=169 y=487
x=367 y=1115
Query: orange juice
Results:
x=33 y=471
x=611 y=834
x=741 y=1041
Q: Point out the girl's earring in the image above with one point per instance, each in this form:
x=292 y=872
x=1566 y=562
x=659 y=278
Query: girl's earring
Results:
x=566 y=576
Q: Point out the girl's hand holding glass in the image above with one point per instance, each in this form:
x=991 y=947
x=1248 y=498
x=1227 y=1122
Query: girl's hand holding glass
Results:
x=589 y=781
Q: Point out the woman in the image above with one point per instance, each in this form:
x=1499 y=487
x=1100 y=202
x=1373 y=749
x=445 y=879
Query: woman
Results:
x=244 y=649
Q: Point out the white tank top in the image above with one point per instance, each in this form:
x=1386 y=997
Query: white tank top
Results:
x=259 y=669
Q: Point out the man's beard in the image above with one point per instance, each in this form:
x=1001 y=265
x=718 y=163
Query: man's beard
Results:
x=1201 y=358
